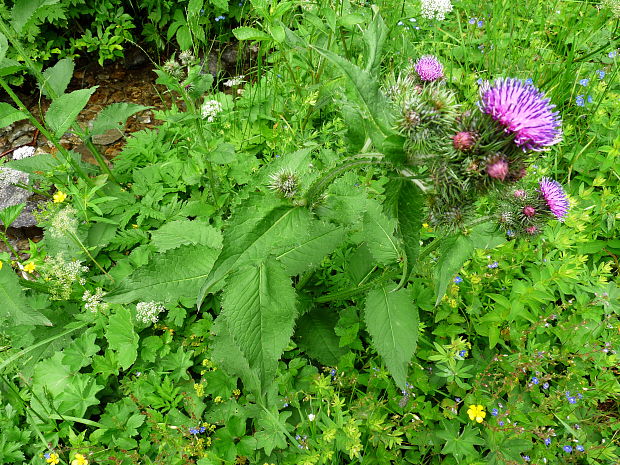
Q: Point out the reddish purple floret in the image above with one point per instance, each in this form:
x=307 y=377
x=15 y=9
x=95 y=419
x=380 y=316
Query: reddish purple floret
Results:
x=523 y=111
x=555 y=197
x=429 y=68
x=464 y=141
x=529 y=211
x=498 y=169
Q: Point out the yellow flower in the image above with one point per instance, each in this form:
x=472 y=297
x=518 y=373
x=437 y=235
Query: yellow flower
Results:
x=29 y=267
x=79 y=460
x=0 y=265
x=52 y=458
x=59 y=197
x=476 y=412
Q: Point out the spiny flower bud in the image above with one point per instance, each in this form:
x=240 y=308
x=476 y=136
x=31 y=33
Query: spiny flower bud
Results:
x=173 y=68
x=520 y=194
x=498 y=168
x=529 y=211
x=531 y=230
x=284 y=182
x=412 y=119
x=464 y=141
x=186 y=57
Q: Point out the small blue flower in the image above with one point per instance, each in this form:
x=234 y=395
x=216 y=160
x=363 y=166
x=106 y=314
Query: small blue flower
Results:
x=580 y=448
x=572 y=400
x=612 y=54
x=568 y=449
x=500 y=423
x=494 y=412
x=46 y=455
x=203 y=429
x=546 y=386
x=584 y=82
x=547 y=441
x=332 y=372
x=493 y=265
x=457 y=279
x=480 y=23
x=510 y=233
x=526 y=458
x=472 y=20
x=580 y=101
x=534 y=380
x=194 y=430
x=589 y=99
x=400 y=23
x=529 y=81
x=601 y=73
x=479 y=81
x=463 y=353
x=457 y=399
x=580 y=395
x=285 y=404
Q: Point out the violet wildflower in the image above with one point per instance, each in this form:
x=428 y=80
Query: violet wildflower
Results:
x=579 y=101
x=493 y=265
x=522 y=110
x=584 y=82
x=429 y=68
x=555 y=197
x=494 y=412
x=568 y=449
x=534 y=380
x=547 y=441
x=526 y=458
x=580 y=448
x=572 y=400
x=612 y=54
x=589 y=99
x=458 y=280
x=545 y=386
x=500 y=423
x=472 y=20
x=463 y=353
x=529 y=81
x=600 y=73
x=480 y=23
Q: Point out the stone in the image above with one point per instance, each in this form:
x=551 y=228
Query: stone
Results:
x=23 y=140
x=108 y=137
x=13 y=195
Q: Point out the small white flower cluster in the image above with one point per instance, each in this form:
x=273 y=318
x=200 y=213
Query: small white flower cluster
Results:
x=62 y=274
x=436 y=9
x=63 y=223
x=210 y=109
x=92 y=301
x=23 y=152
x=148 y=312
x=236 y=81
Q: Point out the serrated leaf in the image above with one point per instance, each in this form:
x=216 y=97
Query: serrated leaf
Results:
x=122 y=337
x=167 y=276
x=250 y=33
x=10 y=214
x=261 y=225
x=10 y=114
x=80 y=351
x=379 y=235
x=410 y=211
x=452 y=254
x=114 y=116
x=13 y=304
x=486 y=236
x=185 y=232
x=4 y=46
x=392 y=321
x=64 y=110
x=57 y=78
x=271 y=428
x=315 y=335
x=310 y=251
x=259 y=308
x=374 y=37
x=23 y=10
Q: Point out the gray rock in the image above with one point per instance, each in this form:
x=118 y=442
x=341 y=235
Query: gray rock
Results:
x=108 y=137
x=23 y=140
x=21 y=130
x=13 y=195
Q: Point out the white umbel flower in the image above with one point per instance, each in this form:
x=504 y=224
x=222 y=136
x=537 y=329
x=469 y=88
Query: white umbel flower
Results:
x=210 y=109
x=148 y=312
x=436 y=9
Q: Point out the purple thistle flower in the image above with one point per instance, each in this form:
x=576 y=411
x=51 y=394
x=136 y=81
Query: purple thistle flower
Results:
x=555 y=197
x=429 y=68
x=524 y=111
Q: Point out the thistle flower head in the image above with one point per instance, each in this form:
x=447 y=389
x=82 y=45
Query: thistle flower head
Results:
x=498 y=168
x=531 y=230
x=186 y=57
x=555 y=197
x=285 y=183
x=173 y=68
x=523 y=111
x=429 y=68
x=529 y=211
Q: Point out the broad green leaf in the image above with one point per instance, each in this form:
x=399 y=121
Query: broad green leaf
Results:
x=10 y=114
x=310 y=251
x=315 y=335
x=64 y=110
x=374 y=37
x=250 y=33
x=185 y=232
x=57 y=78
x=261 y=225
x=13 y=304
x=379 y=235
x=177 y=363
x=392 y=321
x=271 y=428
x=114 y=116
x=10 y=214
x=410 y=213
x=80 y=352
x=259 y=308
x=23 y=10
x=194 y=7
x=459 y=444
x=122 y=337
x=4 y=46
x=40 y=163
x=167 y=276
x=452 y=254
x=486 y=236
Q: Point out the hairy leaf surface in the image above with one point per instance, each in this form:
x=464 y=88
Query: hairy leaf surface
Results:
x=410 y=211
x=122 y=337
x=379 y=235
x=64 y=110
x=13 y=303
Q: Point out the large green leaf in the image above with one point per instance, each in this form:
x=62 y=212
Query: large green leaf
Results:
x=185 y=232
x=80 y=352
x=315 y=335
x=114 y=116
x=392 y=321
x=379 y=235
x=23 y=10
x=410 y=212
x=259 y=308
x=13 y=303
x=10 y=114
x=452 y=254
x=321 y=239
x=122 y=337
x=167 y=276
x=261 y=225
x=64 y=110
x=57 y=78
x=374 y=37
